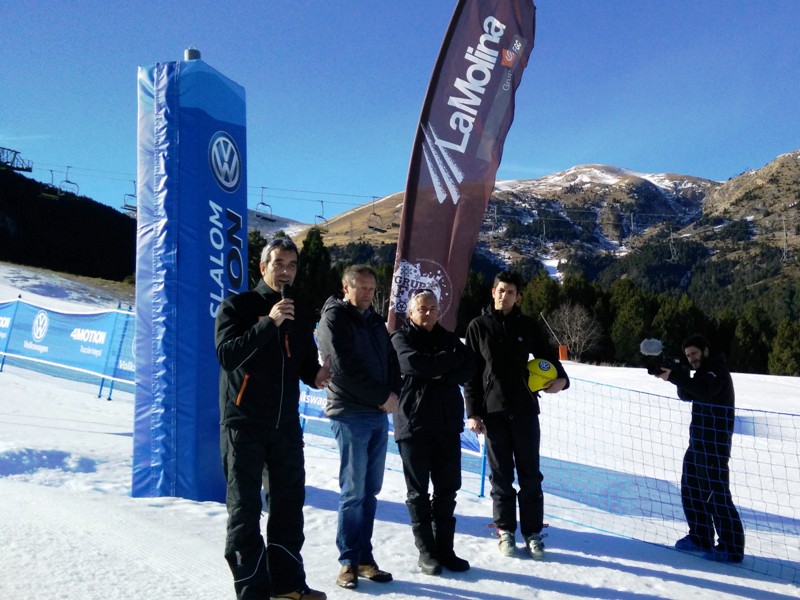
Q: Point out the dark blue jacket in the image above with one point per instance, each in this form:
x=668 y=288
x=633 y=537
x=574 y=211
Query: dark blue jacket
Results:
x=363 y=361
x=433 y=364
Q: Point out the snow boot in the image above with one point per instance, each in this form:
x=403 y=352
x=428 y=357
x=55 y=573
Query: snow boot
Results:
x=422 y=528
x=535 y=545
x=508 y=543
x=444 y=531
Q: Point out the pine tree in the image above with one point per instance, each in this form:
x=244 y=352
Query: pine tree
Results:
x=751 y=342
x=255 y=244
x=784 y=358
x=315 y=280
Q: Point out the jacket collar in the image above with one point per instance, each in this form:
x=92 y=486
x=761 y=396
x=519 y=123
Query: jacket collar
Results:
x=264 y=290
x=498 y=314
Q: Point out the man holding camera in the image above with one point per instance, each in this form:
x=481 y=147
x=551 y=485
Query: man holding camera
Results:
x=705 y=481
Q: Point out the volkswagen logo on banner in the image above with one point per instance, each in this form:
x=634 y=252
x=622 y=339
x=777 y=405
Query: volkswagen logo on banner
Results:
x=39 y=327
x=225 y=162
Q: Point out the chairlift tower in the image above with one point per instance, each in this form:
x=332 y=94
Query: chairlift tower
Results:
x=673 y=250
x=786 y=256
x=10 y=159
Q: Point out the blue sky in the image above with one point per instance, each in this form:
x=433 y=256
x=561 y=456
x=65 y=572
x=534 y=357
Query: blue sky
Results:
x=334 y=88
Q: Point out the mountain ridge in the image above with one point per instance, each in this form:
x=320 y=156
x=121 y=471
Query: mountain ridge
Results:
x=605 y=208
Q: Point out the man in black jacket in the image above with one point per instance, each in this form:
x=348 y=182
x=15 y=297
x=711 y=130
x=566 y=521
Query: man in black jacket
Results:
x=363 y=390
x=705 y=481
x=428 y=426
x=500 y=405
x=265 y=345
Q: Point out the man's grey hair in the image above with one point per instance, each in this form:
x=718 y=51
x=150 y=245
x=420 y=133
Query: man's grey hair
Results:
x=353 y=271
x=281 y=243
x=415 y=298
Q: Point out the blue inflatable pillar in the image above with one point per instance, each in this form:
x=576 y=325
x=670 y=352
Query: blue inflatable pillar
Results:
x=191 y=254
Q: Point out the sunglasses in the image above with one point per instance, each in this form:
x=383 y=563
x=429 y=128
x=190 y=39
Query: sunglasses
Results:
x=282 y=242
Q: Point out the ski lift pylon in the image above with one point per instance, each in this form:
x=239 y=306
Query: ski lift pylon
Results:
x=673 y=250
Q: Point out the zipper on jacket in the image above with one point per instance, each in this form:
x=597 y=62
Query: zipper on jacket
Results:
x=241 y=389
x=283 y=371
x=487 y=389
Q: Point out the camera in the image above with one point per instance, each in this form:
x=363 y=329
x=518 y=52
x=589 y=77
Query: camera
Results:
x=656 y=357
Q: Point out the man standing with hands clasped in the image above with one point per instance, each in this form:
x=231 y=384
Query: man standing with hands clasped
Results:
x=265 y=345
x=500 y=405
x=363 y=391
x=705 y=481
x=428 y=426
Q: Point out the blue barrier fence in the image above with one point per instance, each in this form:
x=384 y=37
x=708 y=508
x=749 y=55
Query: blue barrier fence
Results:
x=98 y=347
x=91 y=346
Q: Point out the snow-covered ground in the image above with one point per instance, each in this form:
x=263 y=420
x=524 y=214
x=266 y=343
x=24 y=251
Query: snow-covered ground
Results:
x=70 y=529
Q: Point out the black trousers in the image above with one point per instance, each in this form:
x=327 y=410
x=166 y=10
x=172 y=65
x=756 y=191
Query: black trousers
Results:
x=276 y=454
x=434 y=459
x=512 y=441
x=707 y=501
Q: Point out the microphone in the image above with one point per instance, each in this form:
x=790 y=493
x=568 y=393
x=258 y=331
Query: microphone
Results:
x=286 y=292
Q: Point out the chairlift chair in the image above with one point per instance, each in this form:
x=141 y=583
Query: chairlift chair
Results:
x=264 y=210
x=129 y=205
x=396 y=217
x=374 y=220
x=320 y=222
x=51 y=191
x=68 y=187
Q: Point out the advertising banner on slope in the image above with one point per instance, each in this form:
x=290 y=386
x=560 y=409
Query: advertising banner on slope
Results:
x=191 y=254
x=465 y=118
x=81 y=343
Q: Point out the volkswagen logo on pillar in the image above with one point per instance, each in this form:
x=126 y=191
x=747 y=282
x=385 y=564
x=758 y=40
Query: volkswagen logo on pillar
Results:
x=39 y=327
x=225 y=162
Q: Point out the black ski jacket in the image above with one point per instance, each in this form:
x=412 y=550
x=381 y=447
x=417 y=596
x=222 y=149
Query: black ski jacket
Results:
x=433 y=365
x=502 y=345
x=710 y=389
x=258 y=382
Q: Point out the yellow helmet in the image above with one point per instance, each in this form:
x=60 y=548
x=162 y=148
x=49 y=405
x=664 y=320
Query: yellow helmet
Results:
x=540 y=374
